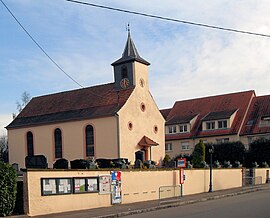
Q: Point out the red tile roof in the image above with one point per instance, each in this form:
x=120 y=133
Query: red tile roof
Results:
x=96 y=101
x=165 y=112
x=203 y=106
x=147 y=142
x=259 y=108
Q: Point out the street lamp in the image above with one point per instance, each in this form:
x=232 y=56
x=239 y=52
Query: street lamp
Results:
x=211 y=151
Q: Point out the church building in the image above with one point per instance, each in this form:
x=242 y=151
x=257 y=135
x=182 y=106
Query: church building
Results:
x=115 y=120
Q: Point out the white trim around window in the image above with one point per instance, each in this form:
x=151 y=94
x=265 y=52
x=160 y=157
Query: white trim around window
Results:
x=168 y=146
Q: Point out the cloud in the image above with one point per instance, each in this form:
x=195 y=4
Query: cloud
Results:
x=186 y=61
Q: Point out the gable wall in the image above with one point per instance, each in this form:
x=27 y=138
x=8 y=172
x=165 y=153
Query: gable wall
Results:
x=143 y=122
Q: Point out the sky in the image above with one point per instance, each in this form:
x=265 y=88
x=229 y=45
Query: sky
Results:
x=186 y=61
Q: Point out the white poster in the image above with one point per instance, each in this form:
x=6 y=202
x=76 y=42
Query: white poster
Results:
x=104 y=184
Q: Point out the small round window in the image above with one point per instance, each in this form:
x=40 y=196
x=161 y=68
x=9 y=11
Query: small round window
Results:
x=143 y=107
x=142 y=83
x=155 y=129
x=130 y=125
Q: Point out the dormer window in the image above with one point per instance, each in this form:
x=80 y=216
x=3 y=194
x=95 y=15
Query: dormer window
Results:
x=218 y=120
x=172 y=129
x=222 y=124
x=265 y=121
x=183 y=128
x=124 y=73
x=210 y=125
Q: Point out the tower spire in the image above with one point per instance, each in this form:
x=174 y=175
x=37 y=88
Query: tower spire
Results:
x=130 y=52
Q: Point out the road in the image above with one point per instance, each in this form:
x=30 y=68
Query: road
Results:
x=256 y=204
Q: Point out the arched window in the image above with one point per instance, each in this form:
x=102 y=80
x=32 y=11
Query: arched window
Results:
x=30 y=144
x=89 y=138
x=58 y=143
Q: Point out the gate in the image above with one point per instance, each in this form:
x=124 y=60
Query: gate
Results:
x=18 y=209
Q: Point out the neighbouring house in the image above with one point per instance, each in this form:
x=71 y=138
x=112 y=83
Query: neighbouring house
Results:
x=115 y=120
x=214 y=119
x=257 y=122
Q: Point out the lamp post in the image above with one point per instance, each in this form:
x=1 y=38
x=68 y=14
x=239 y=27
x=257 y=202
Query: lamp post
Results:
x=211 y=151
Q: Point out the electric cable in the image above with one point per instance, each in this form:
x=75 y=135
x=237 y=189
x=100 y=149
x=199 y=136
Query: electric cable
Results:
x=170 y=19
x=39 y=46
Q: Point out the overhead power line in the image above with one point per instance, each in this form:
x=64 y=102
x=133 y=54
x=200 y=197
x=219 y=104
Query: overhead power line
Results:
x=37 y=44
x=100 y=96
x=170 y=19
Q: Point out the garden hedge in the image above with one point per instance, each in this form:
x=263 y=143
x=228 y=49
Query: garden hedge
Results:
x=8 y=189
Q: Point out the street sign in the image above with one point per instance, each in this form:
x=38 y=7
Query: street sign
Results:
x=181 y=162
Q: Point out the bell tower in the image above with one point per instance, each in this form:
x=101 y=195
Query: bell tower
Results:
x=124 y=68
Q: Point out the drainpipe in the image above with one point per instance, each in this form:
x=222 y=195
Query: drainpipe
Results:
x=118 y=134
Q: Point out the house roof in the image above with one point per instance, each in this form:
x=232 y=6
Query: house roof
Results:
x=165 y=112
x=217 y=107
x=130 y=54
x=180 y=119
x=92 y=102
x=259 y=110
x=218 y=115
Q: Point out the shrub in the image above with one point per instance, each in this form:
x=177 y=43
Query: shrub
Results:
x=198 y=155
x=229 y=151
x=8 y=187
x=260 y=151
x=166 y=160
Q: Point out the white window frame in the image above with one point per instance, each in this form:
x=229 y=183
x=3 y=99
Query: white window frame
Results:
x=172 y=129
x=168 y=146
x=210 y=125
x=185 y=146
x=224 y=124
x=183 y=128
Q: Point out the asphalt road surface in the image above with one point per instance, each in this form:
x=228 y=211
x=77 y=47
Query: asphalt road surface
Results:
x=256 y=204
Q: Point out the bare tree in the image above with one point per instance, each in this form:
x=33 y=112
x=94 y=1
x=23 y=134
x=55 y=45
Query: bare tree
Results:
x=25 y=98
x=4 y=149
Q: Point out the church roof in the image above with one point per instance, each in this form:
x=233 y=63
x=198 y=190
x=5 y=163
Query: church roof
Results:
x=86 y=103
x=130 y=53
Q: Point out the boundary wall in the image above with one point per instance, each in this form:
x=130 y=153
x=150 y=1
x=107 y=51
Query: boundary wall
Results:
x=136 y=186
x=263 y=173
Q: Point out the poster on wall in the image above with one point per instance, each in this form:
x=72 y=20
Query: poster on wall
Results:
x=79 y=185
x=49 y=186
x=56 y=186
x=64 y=186
x=116 y=187
x=92 y=184
x=104 y=184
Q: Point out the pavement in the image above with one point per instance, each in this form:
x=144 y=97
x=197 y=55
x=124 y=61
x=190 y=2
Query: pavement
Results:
x=146 y=206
